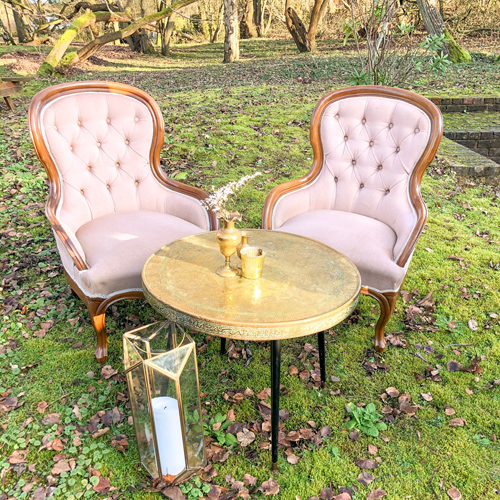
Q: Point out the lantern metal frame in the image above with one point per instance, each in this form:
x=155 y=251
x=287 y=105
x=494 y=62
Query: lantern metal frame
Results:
x=148 y=359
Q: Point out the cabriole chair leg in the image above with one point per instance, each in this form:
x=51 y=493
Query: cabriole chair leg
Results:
x=387 y=302
x=97 y=316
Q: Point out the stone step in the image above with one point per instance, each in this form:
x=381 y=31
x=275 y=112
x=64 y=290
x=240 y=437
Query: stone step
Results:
x=467 y=163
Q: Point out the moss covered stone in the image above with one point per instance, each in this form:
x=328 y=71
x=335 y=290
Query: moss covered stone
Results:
x=457 y=54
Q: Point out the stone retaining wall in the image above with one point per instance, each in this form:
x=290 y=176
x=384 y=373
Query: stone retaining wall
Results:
x=469 y=104
x=486 y=143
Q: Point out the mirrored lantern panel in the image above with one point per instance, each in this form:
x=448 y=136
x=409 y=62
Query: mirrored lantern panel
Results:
x=162 y=375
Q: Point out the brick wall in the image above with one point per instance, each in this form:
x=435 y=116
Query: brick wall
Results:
x=470 y=104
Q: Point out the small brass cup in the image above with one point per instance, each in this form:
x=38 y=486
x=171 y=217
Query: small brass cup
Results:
x=252 y=262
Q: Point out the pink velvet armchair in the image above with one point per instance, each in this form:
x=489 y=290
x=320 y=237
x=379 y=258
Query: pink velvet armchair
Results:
x=371 y=146
x=110 y=205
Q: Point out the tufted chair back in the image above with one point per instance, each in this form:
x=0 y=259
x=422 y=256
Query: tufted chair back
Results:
x=98 y=146
x=368 y=147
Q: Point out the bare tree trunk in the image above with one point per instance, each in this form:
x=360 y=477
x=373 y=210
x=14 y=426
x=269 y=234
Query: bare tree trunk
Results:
x=258 y=15
x=6 y=35
x=231 y=42
x=304 y=39
x=247 y=28
x=24 y=32
x=215 y=34
x=296 y=28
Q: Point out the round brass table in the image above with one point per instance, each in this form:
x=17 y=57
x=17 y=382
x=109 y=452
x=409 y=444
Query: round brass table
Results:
x=306 y=288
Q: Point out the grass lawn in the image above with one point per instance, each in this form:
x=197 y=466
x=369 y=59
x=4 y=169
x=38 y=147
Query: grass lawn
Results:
x=222 y=122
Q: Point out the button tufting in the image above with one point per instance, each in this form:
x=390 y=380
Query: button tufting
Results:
x=345 y=137
x=398 y=149
x=136 y=119
x=55 y=127
x=336 y=179
x=380 y=167
x=117 y=165
x=391 y=125
x=89 y=168
x=387 y=191
x=127 y=141
x=371 y=144
x=98 y=144
x=353 y=162
x=108 y=120
x=363 y=121
x=361 y=186
x=82 y=191
x=108 y=186
x=337 y=116
x=136 y=183
x=71 y=148
x=417 y=130
x=79 y=123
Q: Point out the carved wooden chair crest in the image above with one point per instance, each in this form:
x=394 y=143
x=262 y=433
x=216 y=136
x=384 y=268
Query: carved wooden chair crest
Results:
x=110 y=205
x=362 y=197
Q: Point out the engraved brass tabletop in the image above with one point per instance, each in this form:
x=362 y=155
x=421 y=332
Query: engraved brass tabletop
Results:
x=306 y=287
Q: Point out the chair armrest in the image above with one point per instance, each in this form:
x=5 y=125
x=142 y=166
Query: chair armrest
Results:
x=184 y=201
x=293 y=198
x=68 y=239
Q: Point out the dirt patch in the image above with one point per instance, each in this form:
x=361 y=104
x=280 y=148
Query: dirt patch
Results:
x=25 y=62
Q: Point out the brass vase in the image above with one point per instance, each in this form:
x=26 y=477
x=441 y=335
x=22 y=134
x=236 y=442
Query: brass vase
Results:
x=228 y=237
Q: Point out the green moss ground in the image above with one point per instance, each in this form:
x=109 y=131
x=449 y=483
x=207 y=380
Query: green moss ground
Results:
x=223 y=122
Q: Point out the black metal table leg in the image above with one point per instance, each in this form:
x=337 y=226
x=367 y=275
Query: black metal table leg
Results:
x=275 y=399
x=321 y=350
x=222 y=346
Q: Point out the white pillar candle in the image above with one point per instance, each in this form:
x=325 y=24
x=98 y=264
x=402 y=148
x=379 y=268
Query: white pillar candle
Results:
x=169 y=435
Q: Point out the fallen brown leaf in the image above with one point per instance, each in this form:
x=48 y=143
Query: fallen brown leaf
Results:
x=174 y=493
x=292 y=459
x=17 y=457
x=61 y=466
x=373 y=450
x=453 y=366
x=426 y=395
x=264 y=394
x=454 y=494
x=51 y=419
x=374 y=494
x=249 y=480
x=107 y=372
x=120 y=443
x=100 y=432
x=365 y=478
x=41 y=407
x=102 y=486
x=457 y=422
x=245 y=437
x=366 y=464
x=327 y=494
x=270 y=487
x=392 y=391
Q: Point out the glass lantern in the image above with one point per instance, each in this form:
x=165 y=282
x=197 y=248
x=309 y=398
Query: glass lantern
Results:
x=162 y=379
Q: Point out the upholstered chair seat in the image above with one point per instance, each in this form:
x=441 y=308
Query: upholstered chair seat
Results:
x=344 y=231
x=110 y=205
x=117 y=245
x=371 y=146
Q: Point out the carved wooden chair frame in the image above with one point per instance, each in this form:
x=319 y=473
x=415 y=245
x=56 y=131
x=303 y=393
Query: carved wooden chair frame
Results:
x=387 y=300
x=97 y=306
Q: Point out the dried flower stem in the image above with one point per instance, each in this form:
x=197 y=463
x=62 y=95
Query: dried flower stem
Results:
x=217 y=201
